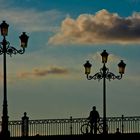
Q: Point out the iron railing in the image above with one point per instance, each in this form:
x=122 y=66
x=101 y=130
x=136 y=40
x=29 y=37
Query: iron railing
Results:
x=72 y=126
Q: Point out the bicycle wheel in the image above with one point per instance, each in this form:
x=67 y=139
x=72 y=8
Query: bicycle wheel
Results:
x=85 y=128
x=100 y=128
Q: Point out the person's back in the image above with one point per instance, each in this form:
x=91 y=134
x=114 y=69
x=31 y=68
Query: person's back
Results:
x=94 y=119
x=94 y=116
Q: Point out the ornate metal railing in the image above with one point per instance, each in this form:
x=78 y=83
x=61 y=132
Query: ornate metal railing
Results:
x=72 y=126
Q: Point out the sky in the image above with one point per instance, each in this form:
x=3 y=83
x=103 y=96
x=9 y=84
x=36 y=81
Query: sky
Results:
x=48 y=80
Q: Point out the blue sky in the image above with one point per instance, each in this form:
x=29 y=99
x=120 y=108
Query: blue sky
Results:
x=48 y=81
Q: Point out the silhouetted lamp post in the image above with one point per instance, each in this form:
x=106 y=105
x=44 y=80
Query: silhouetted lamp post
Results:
x=6 y=48
x=104 y=74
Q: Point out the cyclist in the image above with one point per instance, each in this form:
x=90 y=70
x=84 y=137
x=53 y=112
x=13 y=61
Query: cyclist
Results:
x=94 y=118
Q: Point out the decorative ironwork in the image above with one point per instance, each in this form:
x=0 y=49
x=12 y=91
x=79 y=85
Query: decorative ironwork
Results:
x=107 y=74
x=9 y=49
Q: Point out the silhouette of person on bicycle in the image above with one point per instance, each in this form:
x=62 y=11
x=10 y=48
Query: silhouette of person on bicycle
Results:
x=94 y=118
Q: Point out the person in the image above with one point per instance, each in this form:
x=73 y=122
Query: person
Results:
x=25 y=125
x=118 y=131
x=94 y=118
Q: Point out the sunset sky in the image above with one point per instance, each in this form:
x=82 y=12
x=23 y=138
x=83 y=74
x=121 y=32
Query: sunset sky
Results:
x=48 y=80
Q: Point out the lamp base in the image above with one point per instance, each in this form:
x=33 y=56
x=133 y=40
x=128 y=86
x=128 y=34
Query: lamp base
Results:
x=5 y=135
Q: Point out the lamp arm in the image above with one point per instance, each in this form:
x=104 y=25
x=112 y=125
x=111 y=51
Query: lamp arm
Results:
x=1 y=49
x=110 y=75
x=96 y=76
x=10 y=49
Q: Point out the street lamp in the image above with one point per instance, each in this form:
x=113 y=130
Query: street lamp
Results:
x=104 y=74
x=6 y=48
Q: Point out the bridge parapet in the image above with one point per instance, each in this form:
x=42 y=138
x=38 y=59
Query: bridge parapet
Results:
x=72 y=126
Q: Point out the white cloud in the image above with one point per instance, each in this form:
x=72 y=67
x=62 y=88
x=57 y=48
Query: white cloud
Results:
x=103 y=27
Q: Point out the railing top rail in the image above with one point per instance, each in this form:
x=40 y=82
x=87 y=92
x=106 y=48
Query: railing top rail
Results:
x=75 y=119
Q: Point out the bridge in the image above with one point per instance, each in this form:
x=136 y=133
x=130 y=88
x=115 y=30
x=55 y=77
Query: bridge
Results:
x=70 y=127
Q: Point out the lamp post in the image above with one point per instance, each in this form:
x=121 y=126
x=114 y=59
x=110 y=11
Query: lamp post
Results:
x=6 y=48
x=104 y=74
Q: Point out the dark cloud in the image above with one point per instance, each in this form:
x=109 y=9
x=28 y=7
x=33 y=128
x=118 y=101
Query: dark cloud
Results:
x=103 y=27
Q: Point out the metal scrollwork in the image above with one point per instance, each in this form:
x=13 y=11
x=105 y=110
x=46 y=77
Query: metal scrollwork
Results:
x=111 y=75
x=98 y=76
x=104 y=73
x=1 y=50
x=10 y=49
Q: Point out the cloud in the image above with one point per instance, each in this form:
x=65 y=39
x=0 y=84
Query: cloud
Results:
x=31 y=20
x=36 y=72
x=103 y=27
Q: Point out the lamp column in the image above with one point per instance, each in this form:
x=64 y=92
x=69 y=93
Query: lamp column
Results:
x=104 y=99
x=5 y=117
x=5 y=48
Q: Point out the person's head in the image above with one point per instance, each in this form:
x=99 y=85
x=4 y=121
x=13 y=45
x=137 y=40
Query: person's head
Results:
x=94 y=107
x=25 y=113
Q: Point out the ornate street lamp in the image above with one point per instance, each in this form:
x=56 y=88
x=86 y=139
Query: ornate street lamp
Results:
x=104 y=74
x=104 y=55
x=121 y=66
x=87 y=66
x=6 y=48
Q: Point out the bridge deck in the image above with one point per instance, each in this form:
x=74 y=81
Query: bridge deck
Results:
x=80 y=137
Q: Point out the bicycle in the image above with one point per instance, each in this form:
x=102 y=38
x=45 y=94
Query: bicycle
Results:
x=85 y=128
